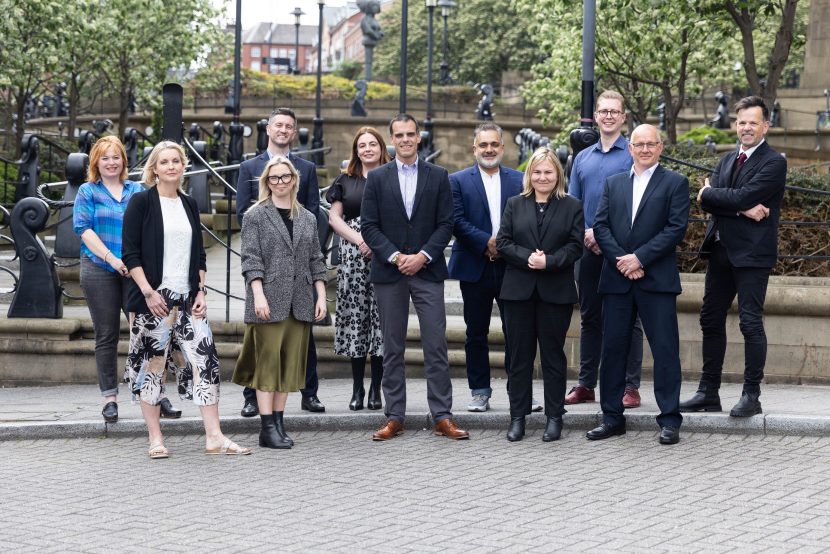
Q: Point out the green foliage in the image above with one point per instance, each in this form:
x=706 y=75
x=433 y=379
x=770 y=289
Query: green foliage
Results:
x=698 y=135
x=350 y=69
x=485 y=38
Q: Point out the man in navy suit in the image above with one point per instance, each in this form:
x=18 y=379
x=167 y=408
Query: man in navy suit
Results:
x=641 y=218
x=282 y=129
x=744 y=197
x=406 y=219
x=479 y=194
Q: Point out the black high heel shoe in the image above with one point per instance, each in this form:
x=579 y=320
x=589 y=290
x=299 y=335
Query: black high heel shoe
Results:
x=357 y=398
x=373 y=401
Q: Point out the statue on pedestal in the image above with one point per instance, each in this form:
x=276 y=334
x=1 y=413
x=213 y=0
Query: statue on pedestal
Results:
x=372 y=32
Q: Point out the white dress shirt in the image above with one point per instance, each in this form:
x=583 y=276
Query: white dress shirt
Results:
x=492 y=188
x=640 y=183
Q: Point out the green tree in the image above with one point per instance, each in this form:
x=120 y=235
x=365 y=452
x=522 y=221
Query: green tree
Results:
x=486 y=37
x=30 y=37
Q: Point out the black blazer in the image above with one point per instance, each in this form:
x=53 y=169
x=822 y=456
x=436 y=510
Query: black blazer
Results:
x=386 y=229
x=142 y=242
x=659 y=226
x=761 y=180
x=560 y=237
x=247 y=184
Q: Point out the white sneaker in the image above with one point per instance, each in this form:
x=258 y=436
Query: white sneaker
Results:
x=535 y=406
x=479 y=403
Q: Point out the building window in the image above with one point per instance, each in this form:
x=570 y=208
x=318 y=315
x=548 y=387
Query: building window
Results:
x=283 y=52
x=273 y=53
x=256 y=52
x=255 y=66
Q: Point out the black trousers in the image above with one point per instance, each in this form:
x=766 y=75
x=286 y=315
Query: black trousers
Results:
x=723 y=283
x=478 y=308
x=311 y=381
x=528 y=323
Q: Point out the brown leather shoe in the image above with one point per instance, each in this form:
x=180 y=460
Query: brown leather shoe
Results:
x=580 y=394
x=391 y=429
x=631 y=398
x=448 y=428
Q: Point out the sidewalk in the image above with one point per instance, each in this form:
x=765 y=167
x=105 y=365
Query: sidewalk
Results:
x=74 y=411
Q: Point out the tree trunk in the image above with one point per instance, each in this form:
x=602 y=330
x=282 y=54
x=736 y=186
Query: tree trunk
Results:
x=74 y=105
x=780 y=51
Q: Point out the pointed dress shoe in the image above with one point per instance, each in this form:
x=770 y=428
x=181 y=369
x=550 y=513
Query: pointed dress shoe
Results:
x=747 y=406
x=580 y=394
x=391 y=429
x=553 y=429
x=516 y=431
x=250 y=409
x=448 y=428
x=373 y=401
x=669 y=435
x=312 y=404
x=168 y=411
x=605 y=431
x=110 y=412
x=702 y=401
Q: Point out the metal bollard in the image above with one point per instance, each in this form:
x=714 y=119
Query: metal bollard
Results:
x=28 y=173
x=198 y=184
x=130 y=145
x=67 y=243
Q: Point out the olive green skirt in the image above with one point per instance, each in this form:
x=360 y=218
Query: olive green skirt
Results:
x=273 y=357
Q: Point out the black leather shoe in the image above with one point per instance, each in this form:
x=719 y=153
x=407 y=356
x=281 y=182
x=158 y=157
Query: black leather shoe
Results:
x=747 y=406
x=110 y=412
x=281 y=428
x=702 y=401
x=167 y=410
x=312 y=404
x=269 y=435
x=605 y=431
x=553 y=429
x=250 y=409
x=357 y=399
x=517 y=429
x=373 y=401
x=669 y=435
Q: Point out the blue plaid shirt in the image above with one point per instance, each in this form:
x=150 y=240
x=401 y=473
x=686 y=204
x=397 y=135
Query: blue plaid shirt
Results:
x=96 y=209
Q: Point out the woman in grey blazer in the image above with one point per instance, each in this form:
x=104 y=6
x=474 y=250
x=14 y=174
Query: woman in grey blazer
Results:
x=282 y=265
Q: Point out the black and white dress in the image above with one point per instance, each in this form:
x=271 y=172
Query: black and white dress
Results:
x=357 y=322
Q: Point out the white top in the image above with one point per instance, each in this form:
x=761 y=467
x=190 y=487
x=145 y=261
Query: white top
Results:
x=178 y=235
x=640 y=183
x=492 y=187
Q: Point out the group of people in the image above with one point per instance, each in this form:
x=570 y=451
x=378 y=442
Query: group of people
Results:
x=531 y=242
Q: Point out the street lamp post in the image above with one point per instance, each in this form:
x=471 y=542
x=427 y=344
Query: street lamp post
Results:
x=404 y=14
x=426 y=147
x=297 y=13
x=317 y=139
x=444 y=75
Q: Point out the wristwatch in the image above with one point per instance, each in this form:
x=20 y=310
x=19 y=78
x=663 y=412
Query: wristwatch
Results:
x=395 y=259
x=203 y=290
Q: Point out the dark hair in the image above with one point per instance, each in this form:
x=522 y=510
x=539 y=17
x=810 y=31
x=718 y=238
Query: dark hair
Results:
x=403 y=118
x=355 y=167
x=283 y=111
x=752 y=102
x=489 y=126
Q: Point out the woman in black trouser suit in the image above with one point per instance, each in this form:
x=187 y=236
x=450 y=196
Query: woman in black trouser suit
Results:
x=540 y=239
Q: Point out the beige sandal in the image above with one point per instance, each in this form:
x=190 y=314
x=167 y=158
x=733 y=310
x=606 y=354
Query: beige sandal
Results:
x=229 y=448
x=158 y=451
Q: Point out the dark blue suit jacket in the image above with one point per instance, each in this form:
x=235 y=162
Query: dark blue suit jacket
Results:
x=386 y=229
x=247 y=185
x=471 y=212
x=659 y=226
x=748 y=243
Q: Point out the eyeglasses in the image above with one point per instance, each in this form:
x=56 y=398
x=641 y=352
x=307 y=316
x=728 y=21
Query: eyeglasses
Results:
x=285 y=178
x=606 y=113
x=644 y=145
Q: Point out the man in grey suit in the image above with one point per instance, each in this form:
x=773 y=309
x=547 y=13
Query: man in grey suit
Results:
x=407 y=221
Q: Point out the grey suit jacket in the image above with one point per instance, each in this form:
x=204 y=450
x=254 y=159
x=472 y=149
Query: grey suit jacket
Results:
x=288 y=268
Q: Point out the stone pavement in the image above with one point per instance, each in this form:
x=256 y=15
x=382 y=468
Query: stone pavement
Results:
x=74 y=411
x=340 y=492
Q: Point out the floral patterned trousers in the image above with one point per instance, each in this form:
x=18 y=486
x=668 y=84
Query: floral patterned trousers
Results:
x=179 y=341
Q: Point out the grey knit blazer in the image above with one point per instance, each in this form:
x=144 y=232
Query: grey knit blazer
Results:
x=288 y=268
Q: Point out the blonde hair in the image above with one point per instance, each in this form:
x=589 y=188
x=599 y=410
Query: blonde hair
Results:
x=612 y=95
x=149 y=175
x=99 y=150
x=265 y=190
x=540 y=155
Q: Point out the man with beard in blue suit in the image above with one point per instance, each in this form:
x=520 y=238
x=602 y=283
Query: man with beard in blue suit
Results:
x=479 y=194
x=282 y=128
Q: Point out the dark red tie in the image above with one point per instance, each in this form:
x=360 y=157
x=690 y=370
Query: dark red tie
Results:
x=741 y=160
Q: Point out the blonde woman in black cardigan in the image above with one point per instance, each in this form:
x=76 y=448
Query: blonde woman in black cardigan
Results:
x=162 y=247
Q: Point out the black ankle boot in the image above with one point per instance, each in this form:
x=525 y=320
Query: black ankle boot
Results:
x=517 y=429
x=281 y=428
x=357 y=396
x=373 y=401
x=748 y=405
x=704 y=400
x=268 y=436
x=553 y=429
